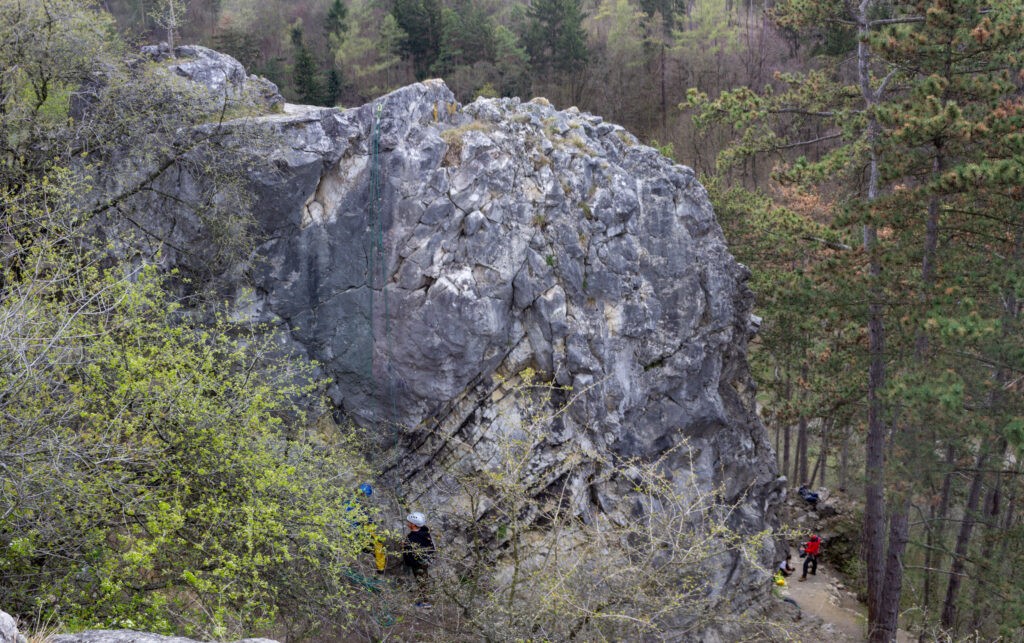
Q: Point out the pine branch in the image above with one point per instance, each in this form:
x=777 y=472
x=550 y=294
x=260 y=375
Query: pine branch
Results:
x=834 y=245
x=804 y=112
x=812 y=141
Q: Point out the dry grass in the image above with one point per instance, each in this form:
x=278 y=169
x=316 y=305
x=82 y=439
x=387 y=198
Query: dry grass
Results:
x=453 y=139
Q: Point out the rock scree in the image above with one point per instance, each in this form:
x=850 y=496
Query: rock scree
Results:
x=428 y=254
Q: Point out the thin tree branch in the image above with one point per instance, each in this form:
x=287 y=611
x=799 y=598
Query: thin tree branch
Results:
x=790 y=146
x=834 y=245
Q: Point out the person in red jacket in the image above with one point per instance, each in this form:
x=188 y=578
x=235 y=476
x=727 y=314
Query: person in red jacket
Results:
x=811 y=550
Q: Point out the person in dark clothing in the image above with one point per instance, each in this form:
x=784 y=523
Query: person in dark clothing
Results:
x=810 y=551
x=810 y=497
x=418 y=553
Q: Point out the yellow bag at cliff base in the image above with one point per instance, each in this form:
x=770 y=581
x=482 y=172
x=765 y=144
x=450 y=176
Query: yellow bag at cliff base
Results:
x=779 y=580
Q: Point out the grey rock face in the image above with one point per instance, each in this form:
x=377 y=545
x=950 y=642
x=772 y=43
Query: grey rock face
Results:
x=9 y=634
x=9 y=629
x=217 y=72
x=426 y=253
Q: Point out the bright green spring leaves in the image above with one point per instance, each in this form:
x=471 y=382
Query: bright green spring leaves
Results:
x=155 y=467
x=152 y=474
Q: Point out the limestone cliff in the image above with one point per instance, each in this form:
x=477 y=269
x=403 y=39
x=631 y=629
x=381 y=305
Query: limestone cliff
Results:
x=426 y=253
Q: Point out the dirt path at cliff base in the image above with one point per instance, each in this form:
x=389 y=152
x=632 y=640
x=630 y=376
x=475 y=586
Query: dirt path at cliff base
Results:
x=823 y=596
x=829 y=611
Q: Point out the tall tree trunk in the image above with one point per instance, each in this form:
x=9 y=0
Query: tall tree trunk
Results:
x=787 y=393
x=936 y=530
x=812 y=479
x=990 y=524
x=1009 y=523
x=822 y=461
x=785 y=448
x=844 y=459
x=800 y=460
x=874 y=462
x=921 y=350
x=800 y=471
x=778 y=440
x=963 y=541
x=899 y=534
x=664 y=99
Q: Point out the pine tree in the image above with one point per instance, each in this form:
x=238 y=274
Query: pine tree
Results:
x=422 y=22
x=467 y=37
x=336 y=20
x=965 y=56
x=333 y=87
x=371 y=53
x=305 y=75
x=555 y=38
x=907 y=149
x=511 y=61
x=669 y=10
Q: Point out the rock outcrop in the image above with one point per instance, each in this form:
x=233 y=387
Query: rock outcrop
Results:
x=130 y=636
x=427 y=253
x=9 y=629
x=218 y=73
x=9 y=634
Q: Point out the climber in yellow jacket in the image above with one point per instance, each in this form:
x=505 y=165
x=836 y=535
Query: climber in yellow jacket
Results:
x=369 y=529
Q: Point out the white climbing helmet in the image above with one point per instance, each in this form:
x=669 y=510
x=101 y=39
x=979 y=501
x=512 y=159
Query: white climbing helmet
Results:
x=417 y=519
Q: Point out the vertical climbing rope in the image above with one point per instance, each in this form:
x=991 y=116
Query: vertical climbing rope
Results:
x=376 y=278
x=378 y=283
x=380 y=371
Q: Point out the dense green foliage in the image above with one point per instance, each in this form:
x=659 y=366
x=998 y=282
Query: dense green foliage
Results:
x=154 y=475
x=157 y=469
x=554 y=36
x=912 y=152
x=305 y=75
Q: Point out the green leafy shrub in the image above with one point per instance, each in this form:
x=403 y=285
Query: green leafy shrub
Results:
x=158 y=471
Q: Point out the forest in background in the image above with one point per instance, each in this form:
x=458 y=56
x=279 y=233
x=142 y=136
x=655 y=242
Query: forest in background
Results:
x=629 y=62
x=864 y=159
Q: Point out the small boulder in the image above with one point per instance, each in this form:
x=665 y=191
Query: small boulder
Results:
x=9 y=629
x=827 y=510
x=129 y=636
x=219 y=73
